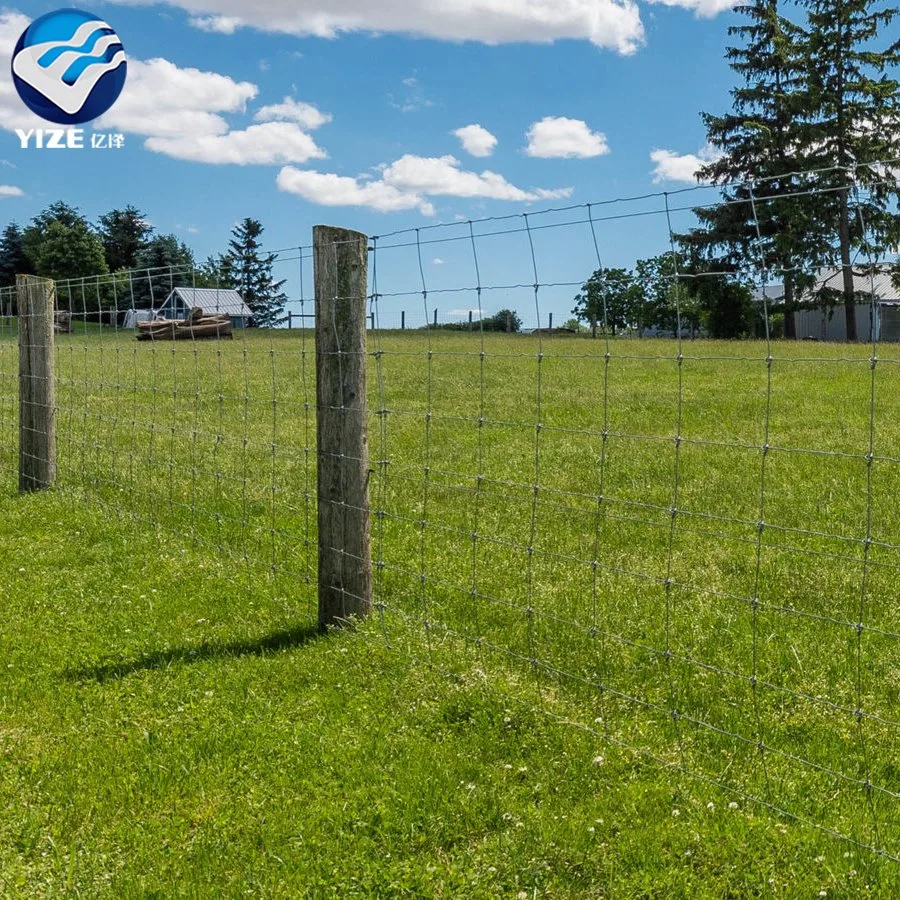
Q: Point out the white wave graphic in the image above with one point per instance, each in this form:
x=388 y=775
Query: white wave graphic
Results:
x=48 y=81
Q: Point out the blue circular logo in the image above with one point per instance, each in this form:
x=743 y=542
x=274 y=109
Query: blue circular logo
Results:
x=69 y=67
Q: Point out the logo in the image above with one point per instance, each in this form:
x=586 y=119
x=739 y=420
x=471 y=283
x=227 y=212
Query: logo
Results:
x=69 y=67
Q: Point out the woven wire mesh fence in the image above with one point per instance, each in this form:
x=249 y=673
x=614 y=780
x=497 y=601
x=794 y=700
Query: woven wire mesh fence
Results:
x=206 y=440
x=689 y=547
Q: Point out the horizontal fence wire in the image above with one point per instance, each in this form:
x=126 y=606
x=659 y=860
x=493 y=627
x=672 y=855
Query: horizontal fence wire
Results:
x=686 y=547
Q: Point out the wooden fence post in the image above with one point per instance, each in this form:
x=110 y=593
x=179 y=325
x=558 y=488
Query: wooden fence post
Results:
x=345 y=559
x=37 y=389
x=403 y=320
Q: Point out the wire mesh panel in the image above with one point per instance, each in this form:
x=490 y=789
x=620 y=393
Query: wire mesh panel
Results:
x=687 y=546
x=188 y=423
x=695 y=539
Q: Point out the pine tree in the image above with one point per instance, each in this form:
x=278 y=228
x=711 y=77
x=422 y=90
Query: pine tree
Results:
x=12 y=256
x=124 y=233
x=761 y=143
x=162 y=264
x=852 y=122
x=252 y=273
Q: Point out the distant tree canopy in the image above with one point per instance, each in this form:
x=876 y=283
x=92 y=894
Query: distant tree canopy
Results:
x=60 y=243
x=506 y=320
x=663 y=292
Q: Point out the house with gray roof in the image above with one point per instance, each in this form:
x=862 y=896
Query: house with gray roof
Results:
x=213 y=301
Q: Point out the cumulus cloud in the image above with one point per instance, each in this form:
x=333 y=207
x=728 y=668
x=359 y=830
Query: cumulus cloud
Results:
x=556 y=137
x=9 y=190
x=671 y=166
x=409 y=183
x=442 y=175
x=338 y=190
x=703 y=9
x=476 y=140
x=291 y=110
x=612 y=24
x=161 y=99
x=270 y=143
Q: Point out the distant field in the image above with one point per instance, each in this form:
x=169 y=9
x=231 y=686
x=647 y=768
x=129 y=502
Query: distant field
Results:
x=169 y=724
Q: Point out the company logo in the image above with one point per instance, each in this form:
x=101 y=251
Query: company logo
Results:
x=69 y=67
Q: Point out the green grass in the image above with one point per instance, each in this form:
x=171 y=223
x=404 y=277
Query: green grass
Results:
x=171 y=724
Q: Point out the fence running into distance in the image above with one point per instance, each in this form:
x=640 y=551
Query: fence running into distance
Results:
x=690 y=548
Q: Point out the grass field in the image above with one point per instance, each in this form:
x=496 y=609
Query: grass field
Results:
x=171 y=723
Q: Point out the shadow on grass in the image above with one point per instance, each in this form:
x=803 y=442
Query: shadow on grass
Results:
x=164 y=659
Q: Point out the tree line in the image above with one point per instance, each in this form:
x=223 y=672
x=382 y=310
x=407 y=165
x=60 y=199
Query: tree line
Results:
x=807 y=161
x=141 y=266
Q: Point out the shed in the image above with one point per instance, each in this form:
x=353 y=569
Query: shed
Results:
x=213 y=301
x=826 y=320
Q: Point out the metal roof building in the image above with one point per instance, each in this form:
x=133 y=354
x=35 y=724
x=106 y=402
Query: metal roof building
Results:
x=821 y=313
x=211 y=300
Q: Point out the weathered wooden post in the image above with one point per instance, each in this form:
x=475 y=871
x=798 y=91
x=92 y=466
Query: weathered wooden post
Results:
x=37 y=389
x=403 y=320
x=550 y=328
x=345 y=561
x=435 y=317
x=372 y=319
x=290 y=320
x=470 y=320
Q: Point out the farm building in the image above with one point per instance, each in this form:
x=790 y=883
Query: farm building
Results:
x=826 y=321
x=211 y=300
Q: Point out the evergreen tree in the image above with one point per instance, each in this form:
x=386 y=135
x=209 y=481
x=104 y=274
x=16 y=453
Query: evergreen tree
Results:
x=124 y=233
x=852 y=122
x=761 y=141
x=162 y=264
x=252 y=275
x=12 y=256
x=217 y=272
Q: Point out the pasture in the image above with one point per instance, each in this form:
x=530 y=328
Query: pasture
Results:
x=636 y=628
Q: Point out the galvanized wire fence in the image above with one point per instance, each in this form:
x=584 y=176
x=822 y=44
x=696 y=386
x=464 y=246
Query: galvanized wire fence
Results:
x=688 y=547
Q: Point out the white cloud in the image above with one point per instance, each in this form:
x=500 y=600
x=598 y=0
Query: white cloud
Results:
x=703 y=9
x=476 y=140
x=217 y=24
x=290 y=110
x=442 y=176
x=437 y=261
x=613 y=24
x=8 y=190
x=406 y=184
x=671 y=166
x=556 y=137
x=270 y=143
x=162 y=100
x=338 y=190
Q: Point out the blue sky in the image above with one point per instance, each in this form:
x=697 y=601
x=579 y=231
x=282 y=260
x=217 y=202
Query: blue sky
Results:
x=357 y=127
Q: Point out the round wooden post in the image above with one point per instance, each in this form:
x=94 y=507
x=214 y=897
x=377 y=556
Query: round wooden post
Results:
x=37 y=388
x=345 y=561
